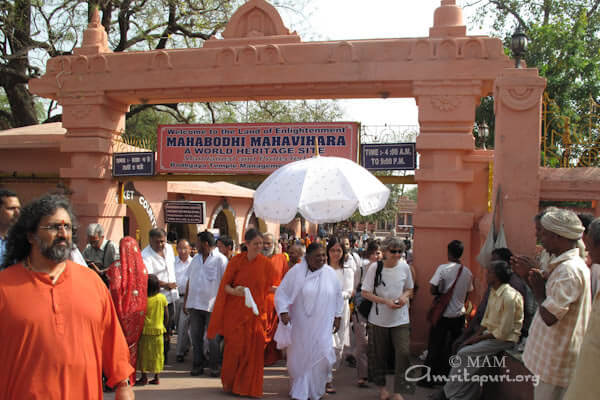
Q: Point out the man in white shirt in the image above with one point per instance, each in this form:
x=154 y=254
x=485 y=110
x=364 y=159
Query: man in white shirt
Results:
x=160 y=261
x=205 y=274
x=182 y=320
x=452 y=322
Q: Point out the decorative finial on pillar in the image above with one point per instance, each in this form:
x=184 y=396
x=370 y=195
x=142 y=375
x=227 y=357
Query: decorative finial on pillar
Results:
x=95 y=39
x=448 y=21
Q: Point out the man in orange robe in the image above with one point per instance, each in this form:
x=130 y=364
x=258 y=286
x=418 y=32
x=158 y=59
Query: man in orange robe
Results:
x=243 y=330
x=59 y=327
x=280 y=268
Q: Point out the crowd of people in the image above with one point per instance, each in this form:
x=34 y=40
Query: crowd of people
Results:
x=347 y=299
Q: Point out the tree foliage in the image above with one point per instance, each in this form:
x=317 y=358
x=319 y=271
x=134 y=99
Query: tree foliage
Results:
x=564 y=44
x=31 y=31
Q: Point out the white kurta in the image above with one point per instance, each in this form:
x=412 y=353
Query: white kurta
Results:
x=313 y=300
x=163 y=268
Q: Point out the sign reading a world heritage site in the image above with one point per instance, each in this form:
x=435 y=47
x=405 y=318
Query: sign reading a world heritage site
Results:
x=250 y=148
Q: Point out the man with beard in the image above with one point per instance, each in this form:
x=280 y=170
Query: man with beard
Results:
x=60 y=330
x=10 y=207
x=280 y=268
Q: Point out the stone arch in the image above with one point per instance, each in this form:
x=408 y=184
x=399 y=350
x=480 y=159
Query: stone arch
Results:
x=226 y=57
x=141 y=210
x=161 y=60
x=99 y=63
x=473 y=49
x=445 y=91
x=80 y=65
x=343 y=53
x=447 y=50
x=248 y=56
x=271 y=55
x=253 y=221
x=228 y=212
x=255 y=18
x=422 y=50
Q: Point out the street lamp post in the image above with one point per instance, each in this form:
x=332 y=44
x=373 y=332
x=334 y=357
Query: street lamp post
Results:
x=518 y=45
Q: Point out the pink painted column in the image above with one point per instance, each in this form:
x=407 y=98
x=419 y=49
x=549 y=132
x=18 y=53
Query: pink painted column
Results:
x=92 y=120
x=446 y=117
x=518 y=107
x=91 y=123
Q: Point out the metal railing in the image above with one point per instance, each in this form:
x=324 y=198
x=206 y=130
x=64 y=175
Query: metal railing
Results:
x=372 y=134
x=567 y=143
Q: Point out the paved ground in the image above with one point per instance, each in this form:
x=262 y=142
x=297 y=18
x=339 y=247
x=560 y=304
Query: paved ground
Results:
x=176 y=383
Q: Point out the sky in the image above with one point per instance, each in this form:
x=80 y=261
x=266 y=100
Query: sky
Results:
x=372 y=19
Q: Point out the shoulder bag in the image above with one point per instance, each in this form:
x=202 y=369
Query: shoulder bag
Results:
x=440 y=302
x=363 y=305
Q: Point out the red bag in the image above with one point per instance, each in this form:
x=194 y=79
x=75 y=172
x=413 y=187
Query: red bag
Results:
x=439 y=304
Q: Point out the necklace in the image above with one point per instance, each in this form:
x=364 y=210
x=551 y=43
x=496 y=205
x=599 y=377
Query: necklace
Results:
x=53 y=276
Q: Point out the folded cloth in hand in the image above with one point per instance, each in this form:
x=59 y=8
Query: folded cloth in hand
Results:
x=250 y=301
x=283 y=335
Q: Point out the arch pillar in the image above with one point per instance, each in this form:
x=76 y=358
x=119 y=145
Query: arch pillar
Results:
x=230 y=216
x=91 y=122
x=518 y=107
x=446 y=117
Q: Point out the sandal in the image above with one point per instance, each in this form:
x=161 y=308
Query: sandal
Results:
x=141 y=382
x=362 y=383
x=155 y=381
x=329 y=388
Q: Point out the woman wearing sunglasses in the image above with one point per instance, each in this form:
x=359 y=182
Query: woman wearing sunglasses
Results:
x=389 y=285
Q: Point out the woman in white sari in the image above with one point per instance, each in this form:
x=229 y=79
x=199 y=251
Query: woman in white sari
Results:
x=309 y=303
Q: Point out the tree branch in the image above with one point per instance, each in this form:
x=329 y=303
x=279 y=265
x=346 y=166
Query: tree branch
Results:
x=189 y=33
x=171 y=24
x=593 y=9
x=138 y=109
x=502 y=6
x=18 y=77
x=212 y=112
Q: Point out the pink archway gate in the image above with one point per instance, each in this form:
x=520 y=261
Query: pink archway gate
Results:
x=258 y=58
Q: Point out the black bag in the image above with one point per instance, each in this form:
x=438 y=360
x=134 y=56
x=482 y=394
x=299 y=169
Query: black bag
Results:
x=362 y=305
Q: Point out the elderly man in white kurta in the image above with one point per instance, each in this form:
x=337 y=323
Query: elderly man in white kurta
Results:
x=310 y=299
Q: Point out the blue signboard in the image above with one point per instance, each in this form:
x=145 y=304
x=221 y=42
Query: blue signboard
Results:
x=397 y=156
x=133 y=164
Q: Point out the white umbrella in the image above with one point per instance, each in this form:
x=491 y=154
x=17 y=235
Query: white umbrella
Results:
x=322 y=189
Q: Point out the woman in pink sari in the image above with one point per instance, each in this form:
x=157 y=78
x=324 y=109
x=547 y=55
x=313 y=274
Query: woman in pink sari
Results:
x=128 y=287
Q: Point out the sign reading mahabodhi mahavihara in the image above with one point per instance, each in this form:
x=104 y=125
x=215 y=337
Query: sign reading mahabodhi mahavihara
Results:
x=250 y=148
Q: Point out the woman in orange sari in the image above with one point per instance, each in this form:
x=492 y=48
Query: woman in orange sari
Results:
x=128 y=287
x=249 y=276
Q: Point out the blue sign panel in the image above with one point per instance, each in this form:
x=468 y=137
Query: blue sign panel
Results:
x=133 y=164
x=397 y=156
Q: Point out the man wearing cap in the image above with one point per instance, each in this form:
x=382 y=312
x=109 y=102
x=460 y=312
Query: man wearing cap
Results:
x=563 y=293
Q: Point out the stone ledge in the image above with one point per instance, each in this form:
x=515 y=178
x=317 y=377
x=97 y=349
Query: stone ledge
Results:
x=443 y=220
x=456 y=176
